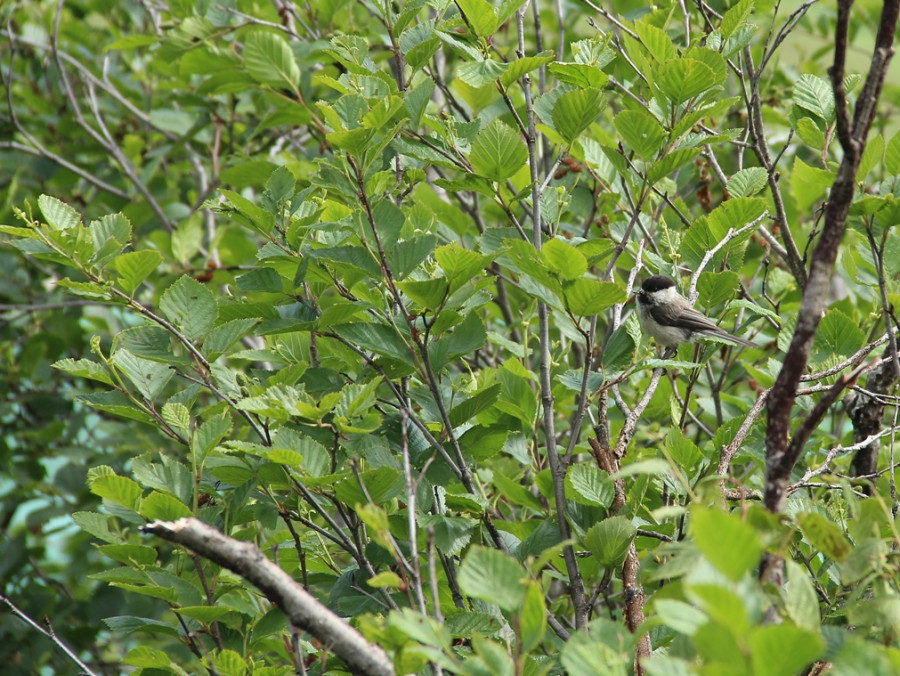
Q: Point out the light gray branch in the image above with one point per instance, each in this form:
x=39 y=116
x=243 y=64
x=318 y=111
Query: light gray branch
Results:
x=302 y=609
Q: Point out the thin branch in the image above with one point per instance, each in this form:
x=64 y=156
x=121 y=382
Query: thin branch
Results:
x=48 y=634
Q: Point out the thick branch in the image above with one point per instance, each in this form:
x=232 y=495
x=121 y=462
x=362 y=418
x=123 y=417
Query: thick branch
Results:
x=301 y=608
x=779 y=459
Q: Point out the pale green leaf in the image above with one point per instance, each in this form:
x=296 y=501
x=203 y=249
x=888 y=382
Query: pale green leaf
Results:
x=498 y=151
x=190 y=306
x=269 y=59
x=492 y=576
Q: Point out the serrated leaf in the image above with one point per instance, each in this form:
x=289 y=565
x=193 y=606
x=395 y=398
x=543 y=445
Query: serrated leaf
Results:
x=873 y=153
x=130 y=555
x=84 y=368
x=480 y=16
x=526 y=64
x=270 y=61
x=190 y=306
x=150 y=377
x=892 y=155
x=810 y=133
x=586 y=297
x=492 y=576
x=682 y=79
x=814 y=94
x=134 y=267
x=564 y=259
x=532 y=618
x=118 y=489
x=783 y=649
x=460 y=265
x=747 y=182
x=498 y=152
x=575 y=111
x=582 y=75
x=177 y=415
x=591 y=485
x=407 y=255
x=610 y=539
x=225 y=335
x=729 y=544
x=640 y=131
x=59 y=215
x=618 y=355
x=468 y=409
x=482 y=72
x=656 y=41
x=159 y=506
x=669 y=163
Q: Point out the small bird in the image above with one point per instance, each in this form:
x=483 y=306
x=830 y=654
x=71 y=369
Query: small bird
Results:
x=667 y=316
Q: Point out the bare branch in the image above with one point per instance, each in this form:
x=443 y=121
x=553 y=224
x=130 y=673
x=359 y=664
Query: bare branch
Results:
x=302 y=609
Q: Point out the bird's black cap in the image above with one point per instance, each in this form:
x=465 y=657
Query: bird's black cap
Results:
x=656 y=283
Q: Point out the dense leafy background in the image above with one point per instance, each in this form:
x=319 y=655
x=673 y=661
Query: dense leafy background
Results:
x=275 y=266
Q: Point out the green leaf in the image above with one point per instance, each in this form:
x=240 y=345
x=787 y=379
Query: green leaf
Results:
x=150 y=377
x=640 y=131
x=783 y=649
x=481 y=72
x=480 y=16
x=810 y=133
x=564 y=259
x=873 y=153
x=96 y=525
x=163 y=507
x=892 y=155
x=465 y=339
x=190 y=306
x=498 y=151
x=618 y=354
x=814 y=94
x=492 y=576
x=526 y=64
x=460 y=265
x=824 y=535
x=134 y=267
x=575 y=111
x=381 y=484
x=735 y=18
x=801 y=602
x=590 y=485
x=747 y=182
x=669 y=163
x=84 y=368
x=532 y=618
x=451 y=533
x=468 y=409
x=59 y=215
x=407 y=255
x=728 y=543
x=610 y=539
x=378 y=338
x=585 y=297
x=225 y=335
x=655 y=40
x=130 y=555
x=118 y=489
x=270 y=61
x=683 y=79
x=429 y=293
x=838 y=335
x=582 y=75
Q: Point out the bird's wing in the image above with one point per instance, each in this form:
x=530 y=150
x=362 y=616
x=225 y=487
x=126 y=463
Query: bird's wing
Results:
x=685 y=318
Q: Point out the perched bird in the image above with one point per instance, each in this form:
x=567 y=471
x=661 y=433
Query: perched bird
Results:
x=667 y=316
